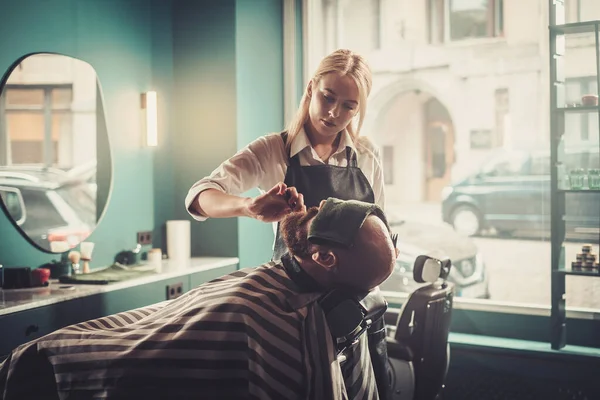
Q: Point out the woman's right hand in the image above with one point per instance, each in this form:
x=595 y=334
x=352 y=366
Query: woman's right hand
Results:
x=275 y=204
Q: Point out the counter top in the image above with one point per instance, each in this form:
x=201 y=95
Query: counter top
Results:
x=15 y=300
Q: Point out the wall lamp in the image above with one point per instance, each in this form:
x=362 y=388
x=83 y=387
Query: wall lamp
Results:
x=151 y=118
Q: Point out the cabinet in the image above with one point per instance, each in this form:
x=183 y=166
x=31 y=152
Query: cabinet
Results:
x=574 y=193
x=20 y=327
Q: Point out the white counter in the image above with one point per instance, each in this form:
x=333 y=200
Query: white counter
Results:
x=15 y=300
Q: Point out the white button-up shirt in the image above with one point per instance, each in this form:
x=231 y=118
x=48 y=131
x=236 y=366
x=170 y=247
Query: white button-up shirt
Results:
x=263 y=163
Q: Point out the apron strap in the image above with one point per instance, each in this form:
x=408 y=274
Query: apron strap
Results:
x=351 y=158
x=290 y=160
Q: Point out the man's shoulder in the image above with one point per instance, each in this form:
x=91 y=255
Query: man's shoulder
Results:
x=269 y=282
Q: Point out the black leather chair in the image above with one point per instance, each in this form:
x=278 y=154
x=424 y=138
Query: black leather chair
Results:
x=418 y=350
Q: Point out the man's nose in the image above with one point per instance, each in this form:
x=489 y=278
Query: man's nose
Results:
x=321 y=204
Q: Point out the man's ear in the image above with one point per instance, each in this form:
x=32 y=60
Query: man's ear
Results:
x=326 y=259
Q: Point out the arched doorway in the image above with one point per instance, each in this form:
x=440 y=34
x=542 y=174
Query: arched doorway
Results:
x=438 y=146
x=416 y=133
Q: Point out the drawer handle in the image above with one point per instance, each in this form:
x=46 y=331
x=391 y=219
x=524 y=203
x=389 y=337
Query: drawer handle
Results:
x=31 y=329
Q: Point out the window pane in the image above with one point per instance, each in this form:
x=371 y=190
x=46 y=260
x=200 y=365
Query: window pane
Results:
x=589 y=10
x=41 y=213
x=61 y=98
x=24 y=98
x=12 y=203
x=25 y=125
x=366 y=14
x=468 y=128
x=26 y=136
x=469 y=19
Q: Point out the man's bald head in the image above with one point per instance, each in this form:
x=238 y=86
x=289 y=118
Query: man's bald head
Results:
x=362 y=264
x=371 y=260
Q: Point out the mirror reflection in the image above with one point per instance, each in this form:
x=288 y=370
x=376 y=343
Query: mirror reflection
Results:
x=52 y=132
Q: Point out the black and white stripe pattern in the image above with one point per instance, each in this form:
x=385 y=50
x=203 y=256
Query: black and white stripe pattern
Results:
x=250 y=334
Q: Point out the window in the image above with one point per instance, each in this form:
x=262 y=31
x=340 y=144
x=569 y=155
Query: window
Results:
x=36 y=119
x=581 y=10
x=507 y=164
x=478 y=164
x=13 y=201
x=41 y=212
x=364 y=13
x=502 y=115
x=452 y=20
x=481 y=139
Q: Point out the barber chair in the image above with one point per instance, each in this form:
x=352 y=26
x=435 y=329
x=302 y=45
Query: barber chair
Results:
x=419 y=353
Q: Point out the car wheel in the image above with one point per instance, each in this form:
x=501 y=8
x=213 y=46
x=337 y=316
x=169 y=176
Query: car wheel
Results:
x=466 y=220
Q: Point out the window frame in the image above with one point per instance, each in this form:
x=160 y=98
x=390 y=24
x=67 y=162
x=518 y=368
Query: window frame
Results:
x=488 y=318
x=439 y=11
x=47 y=109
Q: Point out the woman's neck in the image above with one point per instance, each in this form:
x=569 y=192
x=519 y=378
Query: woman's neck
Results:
x=317 y=140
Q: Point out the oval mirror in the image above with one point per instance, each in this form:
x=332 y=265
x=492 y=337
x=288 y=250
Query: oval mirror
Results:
x=52 y=132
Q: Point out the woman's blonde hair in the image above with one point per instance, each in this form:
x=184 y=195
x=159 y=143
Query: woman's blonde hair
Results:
x=346 y=63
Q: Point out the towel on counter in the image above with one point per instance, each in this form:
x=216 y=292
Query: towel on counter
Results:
x=115 y=273
x=251 y=334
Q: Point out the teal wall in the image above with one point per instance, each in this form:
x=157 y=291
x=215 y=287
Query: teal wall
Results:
x=259 y=77
x=121 y=40
x=204 y=110
x=228 y=68
x=216 y=66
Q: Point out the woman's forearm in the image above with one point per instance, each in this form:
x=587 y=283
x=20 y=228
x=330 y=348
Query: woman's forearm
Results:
x=213 y=203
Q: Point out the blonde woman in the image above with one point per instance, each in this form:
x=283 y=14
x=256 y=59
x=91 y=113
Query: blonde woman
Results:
x=320 y=155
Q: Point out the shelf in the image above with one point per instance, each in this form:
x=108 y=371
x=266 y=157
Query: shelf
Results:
x=576 y=27
x=597 y=191
x=578 y=110
x=569 y=271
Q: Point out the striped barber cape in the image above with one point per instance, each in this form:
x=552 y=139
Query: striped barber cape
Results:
x=251 y=334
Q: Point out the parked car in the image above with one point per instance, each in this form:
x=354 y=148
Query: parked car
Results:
x=47 y=204
x=511 y=194
x=468 y=271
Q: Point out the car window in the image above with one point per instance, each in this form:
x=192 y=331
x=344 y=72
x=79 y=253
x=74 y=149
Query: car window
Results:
x=41 y=214
x=509 y=164
x=14 y=204
x=79 y=199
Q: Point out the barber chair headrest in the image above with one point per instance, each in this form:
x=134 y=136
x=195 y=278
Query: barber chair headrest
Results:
x=429 y=269
x=349 y=315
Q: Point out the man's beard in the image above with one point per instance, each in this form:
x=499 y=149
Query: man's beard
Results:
x=294 y=230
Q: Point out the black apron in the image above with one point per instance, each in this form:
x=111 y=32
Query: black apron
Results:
x=318 y=182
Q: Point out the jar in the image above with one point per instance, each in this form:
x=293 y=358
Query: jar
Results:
x=594 y=178
x=576 y=178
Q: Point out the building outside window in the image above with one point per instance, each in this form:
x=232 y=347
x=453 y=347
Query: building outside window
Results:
x=454 y=20
x=38 y=118
x=48 y=119
x=462 y=114
x=581 y=10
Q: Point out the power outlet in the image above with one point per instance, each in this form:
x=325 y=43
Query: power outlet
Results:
x=144 y=237
x=174 y=291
